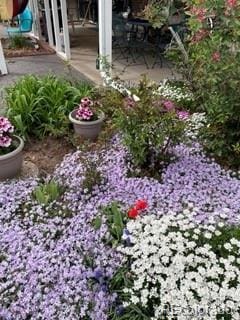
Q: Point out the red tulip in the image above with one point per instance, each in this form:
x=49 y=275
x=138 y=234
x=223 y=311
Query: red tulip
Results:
x=141 y=204
x=133 y=213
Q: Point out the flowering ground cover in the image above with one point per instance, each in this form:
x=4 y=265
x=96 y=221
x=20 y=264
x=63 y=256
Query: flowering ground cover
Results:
x=56 y=264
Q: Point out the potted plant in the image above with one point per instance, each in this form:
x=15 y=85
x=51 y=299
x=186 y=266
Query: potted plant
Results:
x=11 y=147
x=87 y=120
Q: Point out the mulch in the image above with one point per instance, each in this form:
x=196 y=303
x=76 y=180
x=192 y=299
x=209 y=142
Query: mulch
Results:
x=44 y=49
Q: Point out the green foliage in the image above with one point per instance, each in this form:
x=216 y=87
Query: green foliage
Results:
x=48 y=192
x=40 y=106
x=158 y=12
x=92 y=176
x=115 y=219
x=213 y=68
x=18 y=42
x=149 y=131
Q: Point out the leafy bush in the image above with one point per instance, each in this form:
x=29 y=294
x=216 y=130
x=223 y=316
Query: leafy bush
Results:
x=213 y=69
x=150 y=126
x=40 y=106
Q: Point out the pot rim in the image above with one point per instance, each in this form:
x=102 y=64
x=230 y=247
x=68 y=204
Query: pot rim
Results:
x=15 y=151
x=86 y=123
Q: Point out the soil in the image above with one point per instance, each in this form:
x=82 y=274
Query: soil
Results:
x=43 y=49
x=46 y=154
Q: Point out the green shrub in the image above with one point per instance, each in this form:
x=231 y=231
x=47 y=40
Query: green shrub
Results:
x=40 y=106
x=213 y=69
x=149 y=129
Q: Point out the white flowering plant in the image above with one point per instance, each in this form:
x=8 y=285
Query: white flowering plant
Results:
x=176 y=91
x=176 y=269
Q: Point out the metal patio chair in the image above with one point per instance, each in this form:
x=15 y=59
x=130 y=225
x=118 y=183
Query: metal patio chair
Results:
x=25 y=21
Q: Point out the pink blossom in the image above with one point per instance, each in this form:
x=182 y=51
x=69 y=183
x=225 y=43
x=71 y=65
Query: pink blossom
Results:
x=5 y=125
x=84 y=111
x=168 y=105
x=200 y=13
x=231 y=3
x=5 y=141
x=200 y=35
x=183 y=115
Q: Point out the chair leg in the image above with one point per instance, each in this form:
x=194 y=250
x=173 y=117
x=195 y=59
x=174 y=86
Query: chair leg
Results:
x=158 y=56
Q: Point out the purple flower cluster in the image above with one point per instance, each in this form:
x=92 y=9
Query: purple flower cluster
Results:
x=84 y=111
x=6 y=129
x=55 y=265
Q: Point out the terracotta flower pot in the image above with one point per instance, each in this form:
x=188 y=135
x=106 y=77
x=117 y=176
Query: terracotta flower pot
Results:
x=11 y=163
x=87 y=129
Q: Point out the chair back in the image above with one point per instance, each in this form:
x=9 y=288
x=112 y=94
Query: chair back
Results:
x=26 y=20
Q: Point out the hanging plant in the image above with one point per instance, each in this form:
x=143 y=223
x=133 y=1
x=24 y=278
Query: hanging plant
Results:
x=157 y=12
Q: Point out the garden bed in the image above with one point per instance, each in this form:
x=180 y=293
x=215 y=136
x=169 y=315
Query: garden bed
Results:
x=46 y=154
x=32 y=47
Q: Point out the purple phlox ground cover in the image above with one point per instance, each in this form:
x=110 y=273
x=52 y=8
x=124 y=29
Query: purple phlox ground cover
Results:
x=55 y=265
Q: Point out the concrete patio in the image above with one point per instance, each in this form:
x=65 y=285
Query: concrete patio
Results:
x=84 y=53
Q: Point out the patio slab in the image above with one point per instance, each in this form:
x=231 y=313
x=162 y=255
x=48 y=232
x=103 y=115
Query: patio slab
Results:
x=84 y=52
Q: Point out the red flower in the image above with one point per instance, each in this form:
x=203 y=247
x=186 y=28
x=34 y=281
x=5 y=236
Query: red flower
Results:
x=133 y=213
x=141 y=204
x=231 y=3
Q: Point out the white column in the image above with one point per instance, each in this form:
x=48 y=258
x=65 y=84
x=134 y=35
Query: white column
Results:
x=65 y=29
x=3 y=65
x=36 y=19
x=56 y=25
x=48 y=22
x=105 y=30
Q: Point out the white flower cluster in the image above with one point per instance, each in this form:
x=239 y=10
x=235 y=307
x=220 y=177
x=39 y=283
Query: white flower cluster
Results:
x=175 y=269
x=174 y=93
x=194 y=123
x=117 y=85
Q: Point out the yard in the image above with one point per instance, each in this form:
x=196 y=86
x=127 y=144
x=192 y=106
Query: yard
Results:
x=135 y=212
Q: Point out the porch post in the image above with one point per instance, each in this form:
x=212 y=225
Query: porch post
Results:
x=105 y=31
x=3 y=65
x=65 y=29
x=48 y=22
x=56 y=25
x=36 y=20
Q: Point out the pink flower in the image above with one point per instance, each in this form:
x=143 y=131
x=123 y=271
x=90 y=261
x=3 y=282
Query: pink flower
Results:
x=216 y=56
x=5 y=141
x=84 y=111
x=183 y=115
x=199 y=35
x=168 y=105
x=129 y=102
x=231 y=3
x=200 y=13
x=5 y=125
